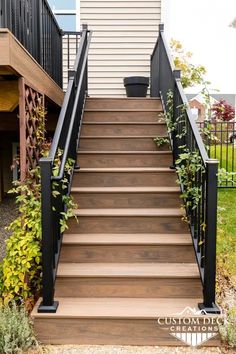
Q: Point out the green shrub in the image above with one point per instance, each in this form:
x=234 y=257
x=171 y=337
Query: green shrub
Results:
x=228 y=330
x=16 y=331
x=20 y=272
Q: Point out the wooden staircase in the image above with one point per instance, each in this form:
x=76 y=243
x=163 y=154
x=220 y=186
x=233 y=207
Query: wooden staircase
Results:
x=130 y=259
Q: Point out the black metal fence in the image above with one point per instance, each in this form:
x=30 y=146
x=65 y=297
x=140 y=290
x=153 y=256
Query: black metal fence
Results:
x=66 y=140
x=34 y=25
x=202 y=218
x=220 y=137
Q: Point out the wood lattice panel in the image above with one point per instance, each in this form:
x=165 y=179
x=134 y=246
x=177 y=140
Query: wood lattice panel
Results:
x=30 y=102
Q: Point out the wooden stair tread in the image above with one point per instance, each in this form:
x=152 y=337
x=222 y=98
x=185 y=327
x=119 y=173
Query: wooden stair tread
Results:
x=127 y=239
x=126 y=308
x=126 y=169
x=149 y=212
x=125 y=190
x=123 y=123
x=115 y=98
x=123 y=110
x=123 y=136
x=127 y=270
x=168 y=152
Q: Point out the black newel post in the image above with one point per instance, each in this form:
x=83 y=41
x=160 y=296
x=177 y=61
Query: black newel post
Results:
x=48 y=304
x=209 y=280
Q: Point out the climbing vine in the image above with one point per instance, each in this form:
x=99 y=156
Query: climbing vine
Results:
x=20 y=272
x=188 y=163
x=187 y=167
x=160 y=141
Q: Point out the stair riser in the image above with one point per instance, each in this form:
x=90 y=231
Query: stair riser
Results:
x=122 y=179
x=127 y=224
x=127 y=253
x=120 y=144
x=131 y=287
x=127 y=200
x=128 y=117
x=123 y=129
x=123 y=104
x=124 y=160
x=83 y=331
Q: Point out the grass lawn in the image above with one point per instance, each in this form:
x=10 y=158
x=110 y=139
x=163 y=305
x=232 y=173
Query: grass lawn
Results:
x=226 y=154
x=226 y=237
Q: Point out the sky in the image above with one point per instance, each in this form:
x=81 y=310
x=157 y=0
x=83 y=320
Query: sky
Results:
x=202 y=26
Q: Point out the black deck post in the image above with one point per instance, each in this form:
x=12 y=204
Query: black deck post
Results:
x=48 y=304
x=209 y=261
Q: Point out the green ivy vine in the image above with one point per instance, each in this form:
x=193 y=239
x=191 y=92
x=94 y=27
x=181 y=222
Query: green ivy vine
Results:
x=20 y=271
x=188 y=163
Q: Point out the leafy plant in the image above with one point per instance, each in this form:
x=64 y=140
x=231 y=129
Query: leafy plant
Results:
x=21 y=268
x=228 y=329
x=225 y=177
x=223 y=111
x=160 y=141
x=16 y=330
x=188 y=165
x=191 y=74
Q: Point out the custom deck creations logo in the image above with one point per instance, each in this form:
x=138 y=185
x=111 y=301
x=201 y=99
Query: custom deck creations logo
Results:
x=191 y=326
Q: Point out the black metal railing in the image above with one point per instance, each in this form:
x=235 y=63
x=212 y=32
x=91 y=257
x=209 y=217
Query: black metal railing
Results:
x=34 y=25
x=70 y=46
x=202 y=218
x=66 y=139
x=220 y=137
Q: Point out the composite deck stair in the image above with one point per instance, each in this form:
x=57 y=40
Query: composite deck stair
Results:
x=130 y=258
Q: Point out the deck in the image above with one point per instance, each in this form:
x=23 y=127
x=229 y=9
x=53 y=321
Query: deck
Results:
x=15 y=61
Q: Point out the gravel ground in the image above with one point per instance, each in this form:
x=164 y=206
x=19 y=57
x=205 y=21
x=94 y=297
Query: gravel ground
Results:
x=132 y=350
x=8 y=212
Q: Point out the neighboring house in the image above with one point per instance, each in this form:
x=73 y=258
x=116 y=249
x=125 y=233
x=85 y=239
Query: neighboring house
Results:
x=196 y=103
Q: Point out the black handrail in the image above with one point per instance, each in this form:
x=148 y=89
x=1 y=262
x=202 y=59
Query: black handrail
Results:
x=66 y=139
x=34 y=25
x=202 y=219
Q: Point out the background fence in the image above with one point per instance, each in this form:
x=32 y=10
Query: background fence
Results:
x=222 y=146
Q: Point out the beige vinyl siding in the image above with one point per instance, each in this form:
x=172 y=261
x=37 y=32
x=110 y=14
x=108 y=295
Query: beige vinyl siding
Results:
x=124 y=34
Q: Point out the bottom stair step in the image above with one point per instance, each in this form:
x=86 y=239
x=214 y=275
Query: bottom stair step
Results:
x=117 y=321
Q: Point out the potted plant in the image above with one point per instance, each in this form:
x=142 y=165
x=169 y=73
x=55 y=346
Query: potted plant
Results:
x=136 y=86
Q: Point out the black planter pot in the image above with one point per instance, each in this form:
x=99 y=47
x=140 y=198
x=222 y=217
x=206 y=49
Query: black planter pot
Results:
x=136 y=86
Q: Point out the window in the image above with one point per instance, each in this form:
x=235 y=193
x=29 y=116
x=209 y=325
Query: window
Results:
x=195 y=112
x=67 y=13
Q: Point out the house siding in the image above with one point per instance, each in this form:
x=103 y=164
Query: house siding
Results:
x=124 y=34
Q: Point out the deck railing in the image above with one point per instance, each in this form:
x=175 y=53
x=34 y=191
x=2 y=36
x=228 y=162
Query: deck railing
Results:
x=70 y=46
x=34 y=25
x=66 y=139
x=203 y=218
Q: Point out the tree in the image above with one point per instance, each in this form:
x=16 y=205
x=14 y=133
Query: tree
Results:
x=191 y=74
x=223 y=111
